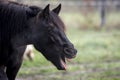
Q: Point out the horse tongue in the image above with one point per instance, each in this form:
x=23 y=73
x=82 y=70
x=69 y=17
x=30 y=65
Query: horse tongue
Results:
x=63 y=64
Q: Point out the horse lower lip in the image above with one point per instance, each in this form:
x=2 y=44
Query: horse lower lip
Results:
x=63 y=64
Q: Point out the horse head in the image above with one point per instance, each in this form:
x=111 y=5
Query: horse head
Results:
x=48 y=37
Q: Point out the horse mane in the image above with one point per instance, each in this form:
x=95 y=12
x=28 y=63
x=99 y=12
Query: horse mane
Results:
x=13 y=17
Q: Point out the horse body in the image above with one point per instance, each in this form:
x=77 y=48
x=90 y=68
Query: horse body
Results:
x=21 y=25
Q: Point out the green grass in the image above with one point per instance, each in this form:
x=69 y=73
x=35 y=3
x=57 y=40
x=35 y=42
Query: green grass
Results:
x=91 y=20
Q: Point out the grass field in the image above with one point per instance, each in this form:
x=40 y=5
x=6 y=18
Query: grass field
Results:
x=98 y=58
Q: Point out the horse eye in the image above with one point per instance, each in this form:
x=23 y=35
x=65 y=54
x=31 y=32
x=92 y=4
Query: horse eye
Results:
x=50 y=30
x=51 y=24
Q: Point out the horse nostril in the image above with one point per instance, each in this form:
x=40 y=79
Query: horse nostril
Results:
x=75 y=51
x=67 y=51
x=70 y=52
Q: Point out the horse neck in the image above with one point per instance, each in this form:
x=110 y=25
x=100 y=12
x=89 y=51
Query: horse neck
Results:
x=13 y=23
x=12 y=18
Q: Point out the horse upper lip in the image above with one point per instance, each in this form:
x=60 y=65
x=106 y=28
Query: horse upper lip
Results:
x=70 y=52
x=70 y=56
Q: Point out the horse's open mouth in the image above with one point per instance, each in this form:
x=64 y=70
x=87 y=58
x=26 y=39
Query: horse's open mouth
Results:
x=68 y=55
x=59 y=60
x=63 y=63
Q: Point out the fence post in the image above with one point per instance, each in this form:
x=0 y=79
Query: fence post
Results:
x=102 y=13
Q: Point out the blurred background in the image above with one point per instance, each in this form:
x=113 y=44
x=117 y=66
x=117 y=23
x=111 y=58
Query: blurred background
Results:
x=93 y=26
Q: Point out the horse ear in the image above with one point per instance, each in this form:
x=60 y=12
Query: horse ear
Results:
x=46 y=11
x=57 y=9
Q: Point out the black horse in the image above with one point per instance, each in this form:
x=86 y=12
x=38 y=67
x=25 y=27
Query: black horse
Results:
x=21 y=25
